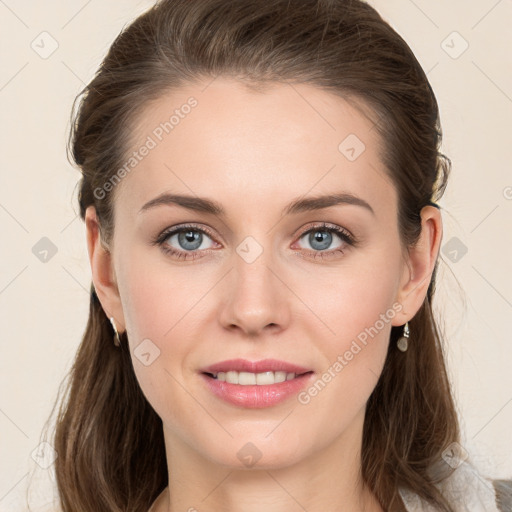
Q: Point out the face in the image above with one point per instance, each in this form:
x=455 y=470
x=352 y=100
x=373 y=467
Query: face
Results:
x=314 y=285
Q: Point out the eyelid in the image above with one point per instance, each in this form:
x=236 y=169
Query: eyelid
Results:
x=328 y=227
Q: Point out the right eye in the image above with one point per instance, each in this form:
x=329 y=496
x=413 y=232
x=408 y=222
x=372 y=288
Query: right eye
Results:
x=184 y=242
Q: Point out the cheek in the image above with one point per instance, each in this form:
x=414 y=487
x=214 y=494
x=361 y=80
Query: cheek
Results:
x=158 y=299
x=356 y=308
x=155 y=305
x=158 y=319
x=354 y=297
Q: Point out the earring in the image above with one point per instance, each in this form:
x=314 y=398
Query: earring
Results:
x=403 y=341
x=117 y=339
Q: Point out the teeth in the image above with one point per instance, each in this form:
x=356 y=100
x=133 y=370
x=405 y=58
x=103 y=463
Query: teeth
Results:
x=259 y=379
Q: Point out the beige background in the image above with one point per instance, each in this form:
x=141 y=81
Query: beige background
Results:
x=43 y=305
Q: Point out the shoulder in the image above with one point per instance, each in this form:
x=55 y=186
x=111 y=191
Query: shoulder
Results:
x=503 y=489
x=466 y=489
x=469 y=488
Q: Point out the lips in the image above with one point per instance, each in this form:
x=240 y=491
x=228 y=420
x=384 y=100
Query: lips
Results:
x=265 y=365
x=257 y=396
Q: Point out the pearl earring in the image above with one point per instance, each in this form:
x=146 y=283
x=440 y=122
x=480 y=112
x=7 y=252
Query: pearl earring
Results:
x=403 y=341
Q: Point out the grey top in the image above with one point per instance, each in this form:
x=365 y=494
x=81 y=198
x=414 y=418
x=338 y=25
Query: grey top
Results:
x=467 y=491
x=503 y=494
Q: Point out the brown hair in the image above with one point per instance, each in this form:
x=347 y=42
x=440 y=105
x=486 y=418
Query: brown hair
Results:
x=108 y=437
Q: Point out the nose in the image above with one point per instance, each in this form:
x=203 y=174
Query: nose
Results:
x=255 y=297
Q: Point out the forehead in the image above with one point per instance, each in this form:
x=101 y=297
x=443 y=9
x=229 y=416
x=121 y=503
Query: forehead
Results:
x=221 y=139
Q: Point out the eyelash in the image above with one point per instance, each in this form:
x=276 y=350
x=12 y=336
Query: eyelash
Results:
x=343 y=234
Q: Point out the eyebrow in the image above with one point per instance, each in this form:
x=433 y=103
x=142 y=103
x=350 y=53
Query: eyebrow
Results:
x=205 y=205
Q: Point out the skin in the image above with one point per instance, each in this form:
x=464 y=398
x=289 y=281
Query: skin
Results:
x=255 y=153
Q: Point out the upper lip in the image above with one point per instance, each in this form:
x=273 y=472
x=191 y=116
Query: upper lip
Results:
x=264 y=365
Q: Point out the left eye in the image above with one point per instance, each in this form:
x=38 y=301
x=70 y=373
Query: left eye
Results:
x=320 y=239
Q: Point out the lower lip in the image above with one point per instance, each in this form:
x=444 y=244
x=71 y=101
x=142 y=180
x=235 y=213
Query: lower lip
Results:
x=254 y=396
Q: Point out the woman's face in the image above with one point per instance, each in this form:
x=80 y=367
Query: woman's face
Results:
x=257 y=281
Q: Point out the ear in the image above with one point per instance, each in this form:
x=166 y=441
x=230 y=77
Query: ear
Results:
x=420 y=262
x=102 y=268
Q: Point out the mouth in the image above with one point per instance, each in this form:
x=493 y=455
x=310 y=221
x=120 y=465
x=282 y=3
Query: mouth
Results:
x=255 y=379
x=255 y=384
x=266 y=392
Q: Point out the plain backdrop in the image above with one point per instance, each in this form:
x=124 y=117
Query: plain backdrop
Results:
x=50 y=49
